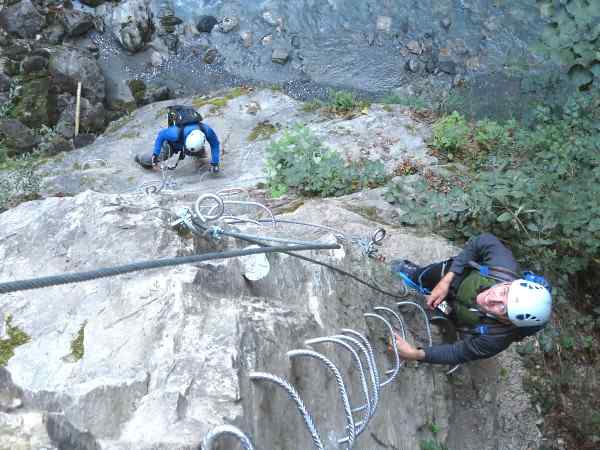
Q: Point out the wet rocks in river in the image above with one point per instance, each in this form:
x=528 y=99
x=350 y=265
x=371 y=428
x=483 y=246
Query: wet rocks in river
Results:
x=168 y=20
x=246 y=37
x=133 y=24
x=267 y=40
x=448 y=67
x=76 y=23
x=34 y=64
x=413 y=65
x=92 y=3
x=280 y=56
x=384 y=23
x=22 y=19
x=414 y=47
x=54 y=33
x=229 y=24
x=211 y=55
x=269 y=18
x=206 y=24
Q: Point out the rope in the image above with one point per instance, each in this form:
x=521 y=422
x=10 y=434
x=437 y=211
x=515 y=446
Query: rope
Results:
x=77 y=277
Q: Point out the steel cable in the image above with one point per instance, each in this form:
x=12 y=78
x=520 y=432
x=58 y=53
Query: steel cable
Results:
x=77 y=277
x=394 y=346
x=213 y=435
x=340 y=385
x=425 y=318
x=361 y=372
x=363 y=343
x=295 y=397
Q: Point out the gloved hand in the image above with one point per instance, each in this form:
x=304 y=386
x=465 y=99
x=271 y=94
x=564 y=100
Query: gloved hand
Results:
x=214 y=168
x=155 y=160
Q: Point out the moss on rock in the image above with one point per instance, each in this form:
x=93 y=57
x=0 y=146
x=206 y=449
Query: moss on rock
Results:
x=16 y=337
x=138 y=90
x=77 y=348
x=33 y=107
x=262 y=130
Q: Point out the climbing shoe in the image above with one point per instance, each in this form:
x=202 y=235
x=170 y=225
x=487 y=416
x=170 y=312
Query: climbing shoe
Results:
x=144 y=160
x=405 y=267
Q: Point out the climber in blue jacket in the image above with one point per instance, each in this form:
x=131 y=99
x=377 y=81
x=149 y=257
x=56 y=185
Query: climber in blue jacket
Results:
x=187 y=141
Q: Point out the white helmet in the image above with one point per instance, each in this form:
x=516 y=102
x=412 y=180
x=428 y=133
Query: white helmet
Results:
x=195 y=141
x=529 y=304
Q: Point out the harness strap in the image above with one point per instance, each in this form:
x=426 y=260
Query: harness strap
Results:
x=494 y=272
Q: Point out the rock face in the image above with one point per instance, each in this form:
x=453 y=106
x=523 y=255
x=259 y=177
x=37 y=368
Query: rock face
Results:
x=68 y=65
x=18 y=136
x=21 y=19
x=153 y=360
x=133 y=25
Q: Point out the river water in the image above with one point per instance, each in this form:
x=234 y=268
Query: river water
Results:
x=344 y=44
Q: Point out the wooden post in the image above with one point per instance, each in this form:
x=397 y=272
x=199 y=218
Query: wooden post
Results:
x=77 y=107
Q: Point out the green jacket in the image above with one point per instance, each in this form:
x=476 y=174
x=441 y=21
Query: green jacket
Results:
x=468 y=289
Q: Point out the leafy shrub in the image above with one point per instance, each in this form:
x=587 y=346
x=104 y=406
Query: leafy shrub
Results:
x=408 y=101
x=344 y=102
x=544 y=198
x=451 y=133
x=19 y=182
x=312 y=105
x=431 y=444
x=490 y=134
x=573 y=36
x=7 y=109
x=298 y=160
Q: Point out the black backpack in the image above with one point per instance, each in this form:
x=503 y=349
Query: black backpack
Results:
x=181 y=116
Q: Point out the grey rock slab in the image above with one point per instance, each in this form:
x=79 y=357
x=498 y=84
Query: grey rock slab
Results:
x=132 y=22
x=22 y=19
x=280 y=56
x=167 y=352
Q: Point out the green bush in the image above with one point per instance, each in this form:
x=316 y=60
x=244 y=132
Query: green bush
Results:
x=451 y=133
x=298 y=160
x=572 y=35
x=431 y=444
x=544 y=198
x=408 y=101
x=344 y=102
x=19 y=180
x=491 y=135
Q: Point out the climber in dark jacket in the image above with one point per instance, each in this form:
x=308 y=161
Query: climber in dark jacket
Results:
x=190 y=141
x=490 y=305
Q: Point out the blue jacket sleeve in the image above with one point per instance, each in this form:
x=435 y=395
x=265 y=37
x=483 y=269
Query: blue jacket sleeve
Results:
x=213 y=140
x=166 y=134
